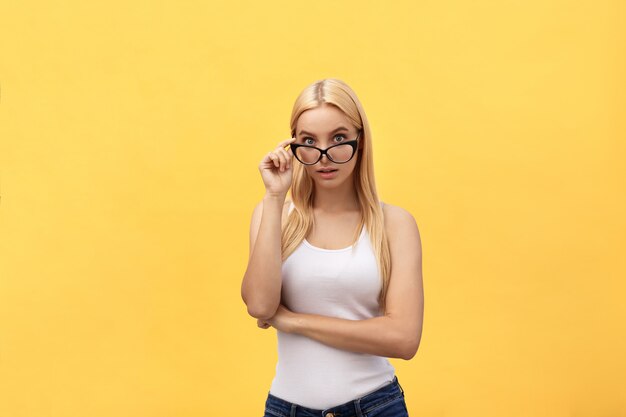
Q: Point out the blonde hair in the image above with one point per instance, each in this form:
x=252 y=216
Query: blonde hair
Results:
x=300 y=221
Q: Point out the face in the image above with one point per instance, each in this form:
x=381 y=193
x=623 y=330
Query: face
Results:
x=323 y=127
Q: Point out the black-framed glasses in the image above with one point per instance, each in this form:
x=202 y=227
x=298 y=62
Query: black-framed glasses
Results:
x=339 y=153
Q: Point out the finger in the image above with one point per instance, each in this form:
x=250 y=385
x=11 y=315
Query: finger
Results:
x=287 y=158
x=267 y=159
x=275 y=159
x=285 y=142
x=287 y=153
x=281 y=158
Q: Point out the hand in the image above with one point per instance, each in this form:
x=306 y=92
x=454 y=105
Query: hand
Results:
x=284 y=320
x=276 y=168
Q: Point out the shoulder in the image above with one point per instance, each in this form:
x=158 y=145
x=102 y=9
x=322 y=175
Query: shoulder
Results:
x=399 y=222
x=395 y=215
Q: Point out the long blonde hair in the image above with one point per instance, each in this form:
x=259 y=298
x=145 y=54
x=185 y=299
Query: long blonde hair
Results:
x=300 y=221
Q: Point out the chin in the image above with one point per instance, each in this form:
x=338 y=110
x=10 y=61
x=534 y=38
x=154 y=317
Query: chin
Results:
x=334 y=183
x=328 y=184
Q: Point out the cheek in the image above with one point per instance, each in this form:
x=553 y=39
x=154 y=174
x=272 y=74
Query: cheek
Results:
x=352 y=164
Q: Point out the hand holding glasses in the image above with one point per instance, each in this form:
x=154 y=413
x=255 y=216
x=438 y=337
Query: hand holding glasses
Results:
x=276 y=169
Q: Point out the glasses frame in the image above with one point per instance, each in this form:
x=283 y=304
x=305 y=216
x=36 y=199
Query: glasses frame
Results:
x=323 y=152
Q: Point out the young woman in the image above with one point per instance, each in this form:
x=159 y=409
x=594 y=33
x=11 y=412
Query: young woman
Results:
x=335 y=271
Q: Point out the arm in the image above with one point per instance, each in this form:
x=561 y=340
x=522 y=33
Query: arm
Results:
x=397 y=333
x=261 y=285
x=381 y=336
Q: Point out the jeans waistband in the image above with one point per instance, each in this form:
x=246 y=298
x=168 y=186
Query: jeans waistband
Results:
x=354 y=407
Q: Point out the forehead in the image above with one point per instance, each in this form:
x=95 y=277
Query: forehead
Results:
x=322 y=120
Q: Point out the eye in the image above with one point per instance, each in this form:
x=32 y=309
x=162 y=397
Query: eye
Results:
x=340 y=136
x=305 y=141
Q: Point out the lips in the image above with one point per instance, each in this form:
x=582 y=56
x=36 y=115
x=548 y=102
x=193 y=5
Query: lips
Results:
x=326 y=170
x=328 y=174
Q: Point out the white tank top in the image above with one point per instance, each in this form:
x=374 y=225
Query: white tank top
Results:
x=342 y=283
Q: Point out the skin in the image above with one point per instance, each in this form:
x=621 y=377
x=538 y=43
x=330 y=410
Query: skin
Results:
x=398 y=332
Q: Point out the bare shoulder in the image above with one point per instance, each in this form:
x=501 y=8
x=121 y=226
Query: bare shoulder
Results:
x=397 y=216
x=399 y=222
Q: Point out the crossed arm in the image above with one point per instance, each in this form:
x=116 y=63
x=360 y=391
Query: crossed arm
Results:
x=396 y=334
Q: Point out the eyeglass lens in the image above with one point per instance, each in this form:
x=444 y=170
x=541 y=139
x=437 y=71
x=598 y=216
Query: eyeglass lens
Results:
x=339 y=154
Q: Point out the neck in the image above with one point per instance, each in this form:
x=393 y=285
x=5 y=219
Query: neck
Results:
x=336 y=200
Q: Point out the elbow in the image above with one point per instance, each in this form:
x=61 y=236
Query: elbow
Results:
x=403 y=342
x=408 y=348
x=259 y=308
x=409 y=351
x=262 y=312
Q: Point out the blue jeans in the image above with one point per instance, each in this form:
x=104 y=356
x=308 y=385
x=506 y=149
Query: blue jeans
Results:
x=387 y=401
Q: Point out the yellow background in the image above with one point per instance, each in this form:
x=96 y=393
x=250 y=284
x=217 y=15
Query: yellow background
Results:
x=130 y=137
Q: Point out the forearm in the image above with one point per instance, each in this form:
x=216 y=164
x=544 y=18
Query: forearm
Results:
x=262 y=281
x=381 y=336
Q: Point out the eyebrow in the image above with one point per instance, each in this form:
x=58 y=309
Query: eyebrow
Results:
x=336 y=130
